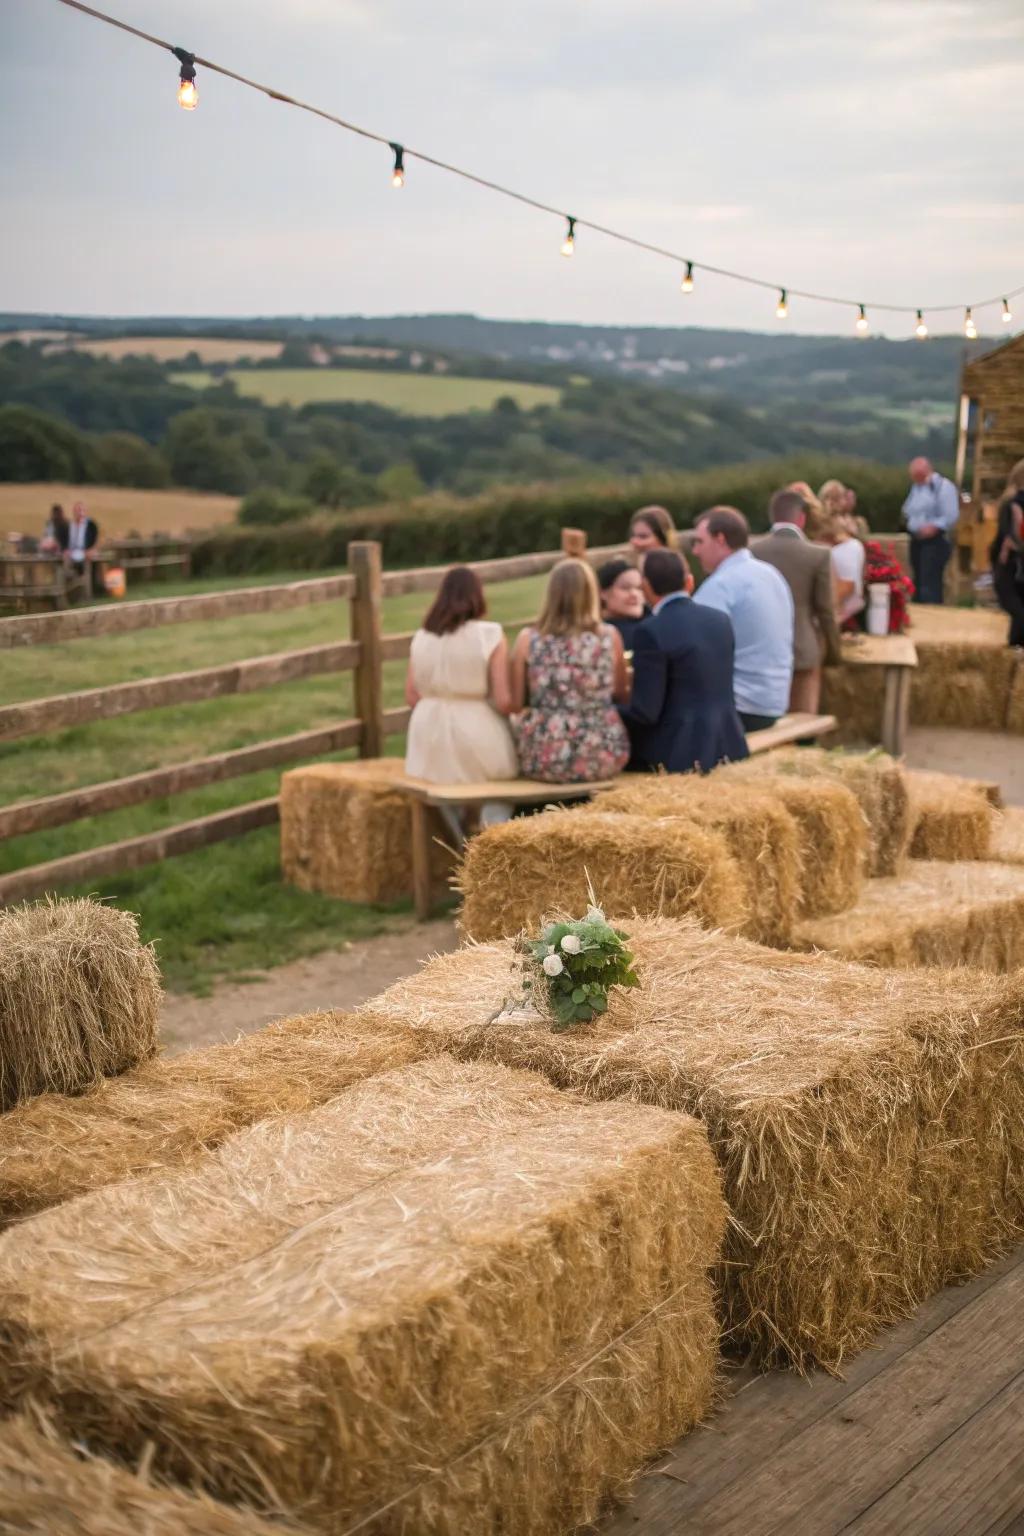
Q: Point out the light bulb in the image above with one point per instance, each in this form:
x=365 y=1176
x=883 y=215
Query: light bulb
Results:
x=188 y=94
x=862 y=322
x=398 y=174
x=970 y=329
x=687 y=283
x=782 y=307
x=1007 y=315
x=569 y=243
x=921 y=330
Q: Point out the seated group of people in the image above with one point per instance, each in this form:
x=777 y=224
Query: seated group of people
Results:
x=629 y=667
x=75 y=540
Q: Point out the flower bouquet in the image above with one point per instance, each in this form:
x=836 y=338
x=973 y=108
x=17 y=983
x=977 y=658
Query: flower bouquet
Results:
x=881 y=565
x=571 y=968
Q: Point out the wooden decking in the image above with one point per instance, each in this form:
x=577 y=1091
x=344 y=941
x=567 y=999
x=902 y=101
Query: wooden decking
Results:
x=923 y=1437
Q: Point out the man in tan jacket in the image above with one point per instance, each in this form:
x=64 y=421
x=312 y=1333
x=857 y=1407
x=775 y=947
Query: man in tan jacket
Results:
x=807 y=568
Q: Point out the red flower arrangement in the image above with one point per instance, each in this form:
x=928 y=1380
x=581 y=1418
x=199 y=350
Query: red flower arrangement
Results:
x=881 y=565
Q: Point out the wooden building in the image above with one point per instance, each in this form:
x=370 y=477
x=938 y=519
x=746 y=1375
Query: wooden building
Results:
x=991 y=432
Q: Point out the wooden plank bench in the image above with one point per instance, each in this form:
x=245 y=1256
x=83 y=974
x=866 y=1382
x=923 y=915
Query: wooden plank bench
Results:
x=454 y=797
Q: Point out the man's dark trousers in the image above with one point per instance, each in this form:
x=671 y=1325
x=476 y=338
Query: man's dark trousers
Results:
x=928 y=561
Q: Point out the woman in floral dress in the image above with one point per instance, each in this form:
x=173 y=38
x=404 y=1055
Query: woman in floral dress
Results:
x=567 y=670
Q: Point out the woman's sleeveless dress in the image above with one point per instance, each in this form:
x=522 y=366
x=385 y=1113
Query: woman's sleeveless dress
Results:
x=571 y=732
x=455 y=735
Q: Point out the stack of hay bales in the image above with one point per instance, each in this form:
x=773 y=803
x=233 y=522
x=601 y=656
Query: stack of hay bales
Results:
x=944 y=914
x=1008 y=836
x=515 y=872
x=167 y=1112
x=952 y=818
x=46 y=1489
x=79 y=997
x=856 y=696
x=868 y=1124
x=451 y=1299
x=345 y=832
x=966 y=675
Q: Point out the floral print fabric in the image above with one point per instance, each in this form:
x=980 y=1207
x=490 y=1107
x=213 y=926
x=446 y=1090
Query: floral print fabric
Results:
x=571 y=732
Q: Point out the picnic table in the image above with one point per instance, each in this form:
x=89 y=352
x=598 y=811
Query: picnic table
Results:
x=897 y=656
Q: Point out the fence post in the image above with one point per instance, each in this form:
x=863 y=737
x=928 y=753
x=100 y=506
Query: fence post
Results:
x=574 y=543
x=368 y=679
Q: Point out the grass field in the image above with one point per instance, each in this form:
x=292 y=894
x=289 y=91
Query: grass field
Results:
x=224 y=910
x=413 y=394
x=171 y=349
x=118 y=510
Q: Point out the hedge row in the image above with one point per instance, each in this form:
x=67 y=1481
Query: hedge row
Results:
x=435 y=530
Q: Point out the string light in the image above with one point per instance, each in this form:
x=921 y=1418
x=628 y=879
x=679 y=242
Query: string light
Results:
x=921 y=330
x=970 y=329
x=398 y=174
x=862 y=322
x=188 y=97
x=188 y=94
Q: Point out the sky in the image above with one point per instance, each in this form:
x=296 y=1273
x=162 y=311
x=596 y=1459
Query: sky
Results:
x=869 y=148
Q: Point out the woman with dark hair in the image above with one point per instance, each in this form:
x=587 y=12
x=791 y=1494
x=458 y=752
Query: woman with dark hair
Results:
x=622 y=597
x=457 y=687
x=56 y=533
x=652 y=528
x=1007 y=554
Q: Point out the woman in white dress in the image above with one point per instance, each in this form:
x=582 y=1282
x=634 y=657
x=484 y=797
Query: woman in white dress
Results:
x=458 y=688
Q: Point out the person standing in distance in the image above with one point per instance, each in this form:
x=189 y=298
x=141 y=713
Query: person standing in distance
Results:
x=757 y=600
x=930 y=512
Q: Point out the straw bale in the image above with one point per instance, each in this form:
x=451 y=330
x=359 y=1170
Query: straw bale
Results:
x=48 y=1488
x=168 y=1111
x=516 y=872
x=952 y=818
x=867 y=1123
x=79 y=997
x=876 y=780
x=1008 y=836
x=965 y=670
x=856 y=696
x=761 y=835
x=452 y=1299
x=1015 y=704
x=936 y=913
x=345 y=832
x=832 y=830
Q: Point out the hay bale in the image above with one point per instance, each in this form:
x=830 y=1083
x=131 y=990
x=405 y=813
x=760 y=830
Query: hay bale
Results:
x=79 y=997
x=515 y=873
x=867 y=1123
x=48 y=1488
x=761 y=835
x=345 y=832
x=856 y=696
x=965 y=670
x=876 y=780
x=451 y=1299
x=1014 y=721
x=170 y=1110
x=833 y=838
x=1008 y=836
x=951 y=818
x=934 y=914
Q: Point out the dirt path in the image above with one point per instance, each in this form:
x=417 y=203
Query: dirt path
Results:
x=974 y=754
x=338 y=978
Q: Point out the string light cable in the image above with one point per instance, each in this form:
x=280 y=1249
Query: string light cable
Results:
x=188 y=97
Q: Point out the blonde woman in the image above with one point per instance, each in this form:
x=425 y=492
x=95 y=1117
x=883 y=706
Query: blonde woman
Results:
x=832 y=500
x=567 y=671
x=1007 y=553
x=815 y=526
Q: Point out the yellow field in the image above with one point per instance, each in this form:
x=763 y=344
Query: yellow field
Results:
x=414 y=394
x=171 y=349
x=118 y=510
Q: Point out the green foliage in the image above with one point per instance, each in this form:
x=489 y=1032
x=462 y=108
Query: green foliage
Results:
x=34 y=446
x=268 y=508
x=399 y=482
x=574 y=965
x=124 y=459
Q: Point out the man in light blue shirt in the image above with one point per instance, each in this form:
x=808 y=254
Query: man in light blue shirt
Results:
x=759 y=604
x=930 y=512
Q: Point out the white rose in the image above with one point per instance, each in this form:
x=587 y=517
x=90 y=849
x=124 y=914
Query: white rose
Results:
x=552 y=965
x=571 y=944
x=595 y=915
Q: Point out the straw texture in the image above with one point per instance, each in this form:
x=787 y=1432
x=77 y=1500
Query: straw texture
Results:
x=514 y=873
x=934 y=914
x=951 y=818
x=856 y=696
x=345 y=832
x=1008 y=836
x=761 y=835
x=389 y=1313
x=79 y=997
x=47 y=1488
x=167 y=1111
x=965 y=671
x=867 y=1123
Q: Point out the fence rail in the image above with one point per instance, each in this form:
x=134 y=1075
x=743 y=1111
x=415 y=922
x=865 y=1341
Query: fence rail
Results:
x=364 y=587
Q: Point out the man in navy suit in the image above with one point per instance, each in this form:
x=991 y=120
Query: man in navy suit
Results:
x=681 y=715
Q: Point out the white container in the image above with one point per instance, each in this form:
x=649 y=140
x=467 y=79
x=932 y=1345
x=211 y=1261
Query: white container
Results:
x=878 y=608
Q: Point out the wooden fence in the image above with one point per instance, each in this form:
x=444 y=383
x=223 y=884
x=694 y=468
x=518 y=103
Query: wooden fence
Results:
x=363 y=654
